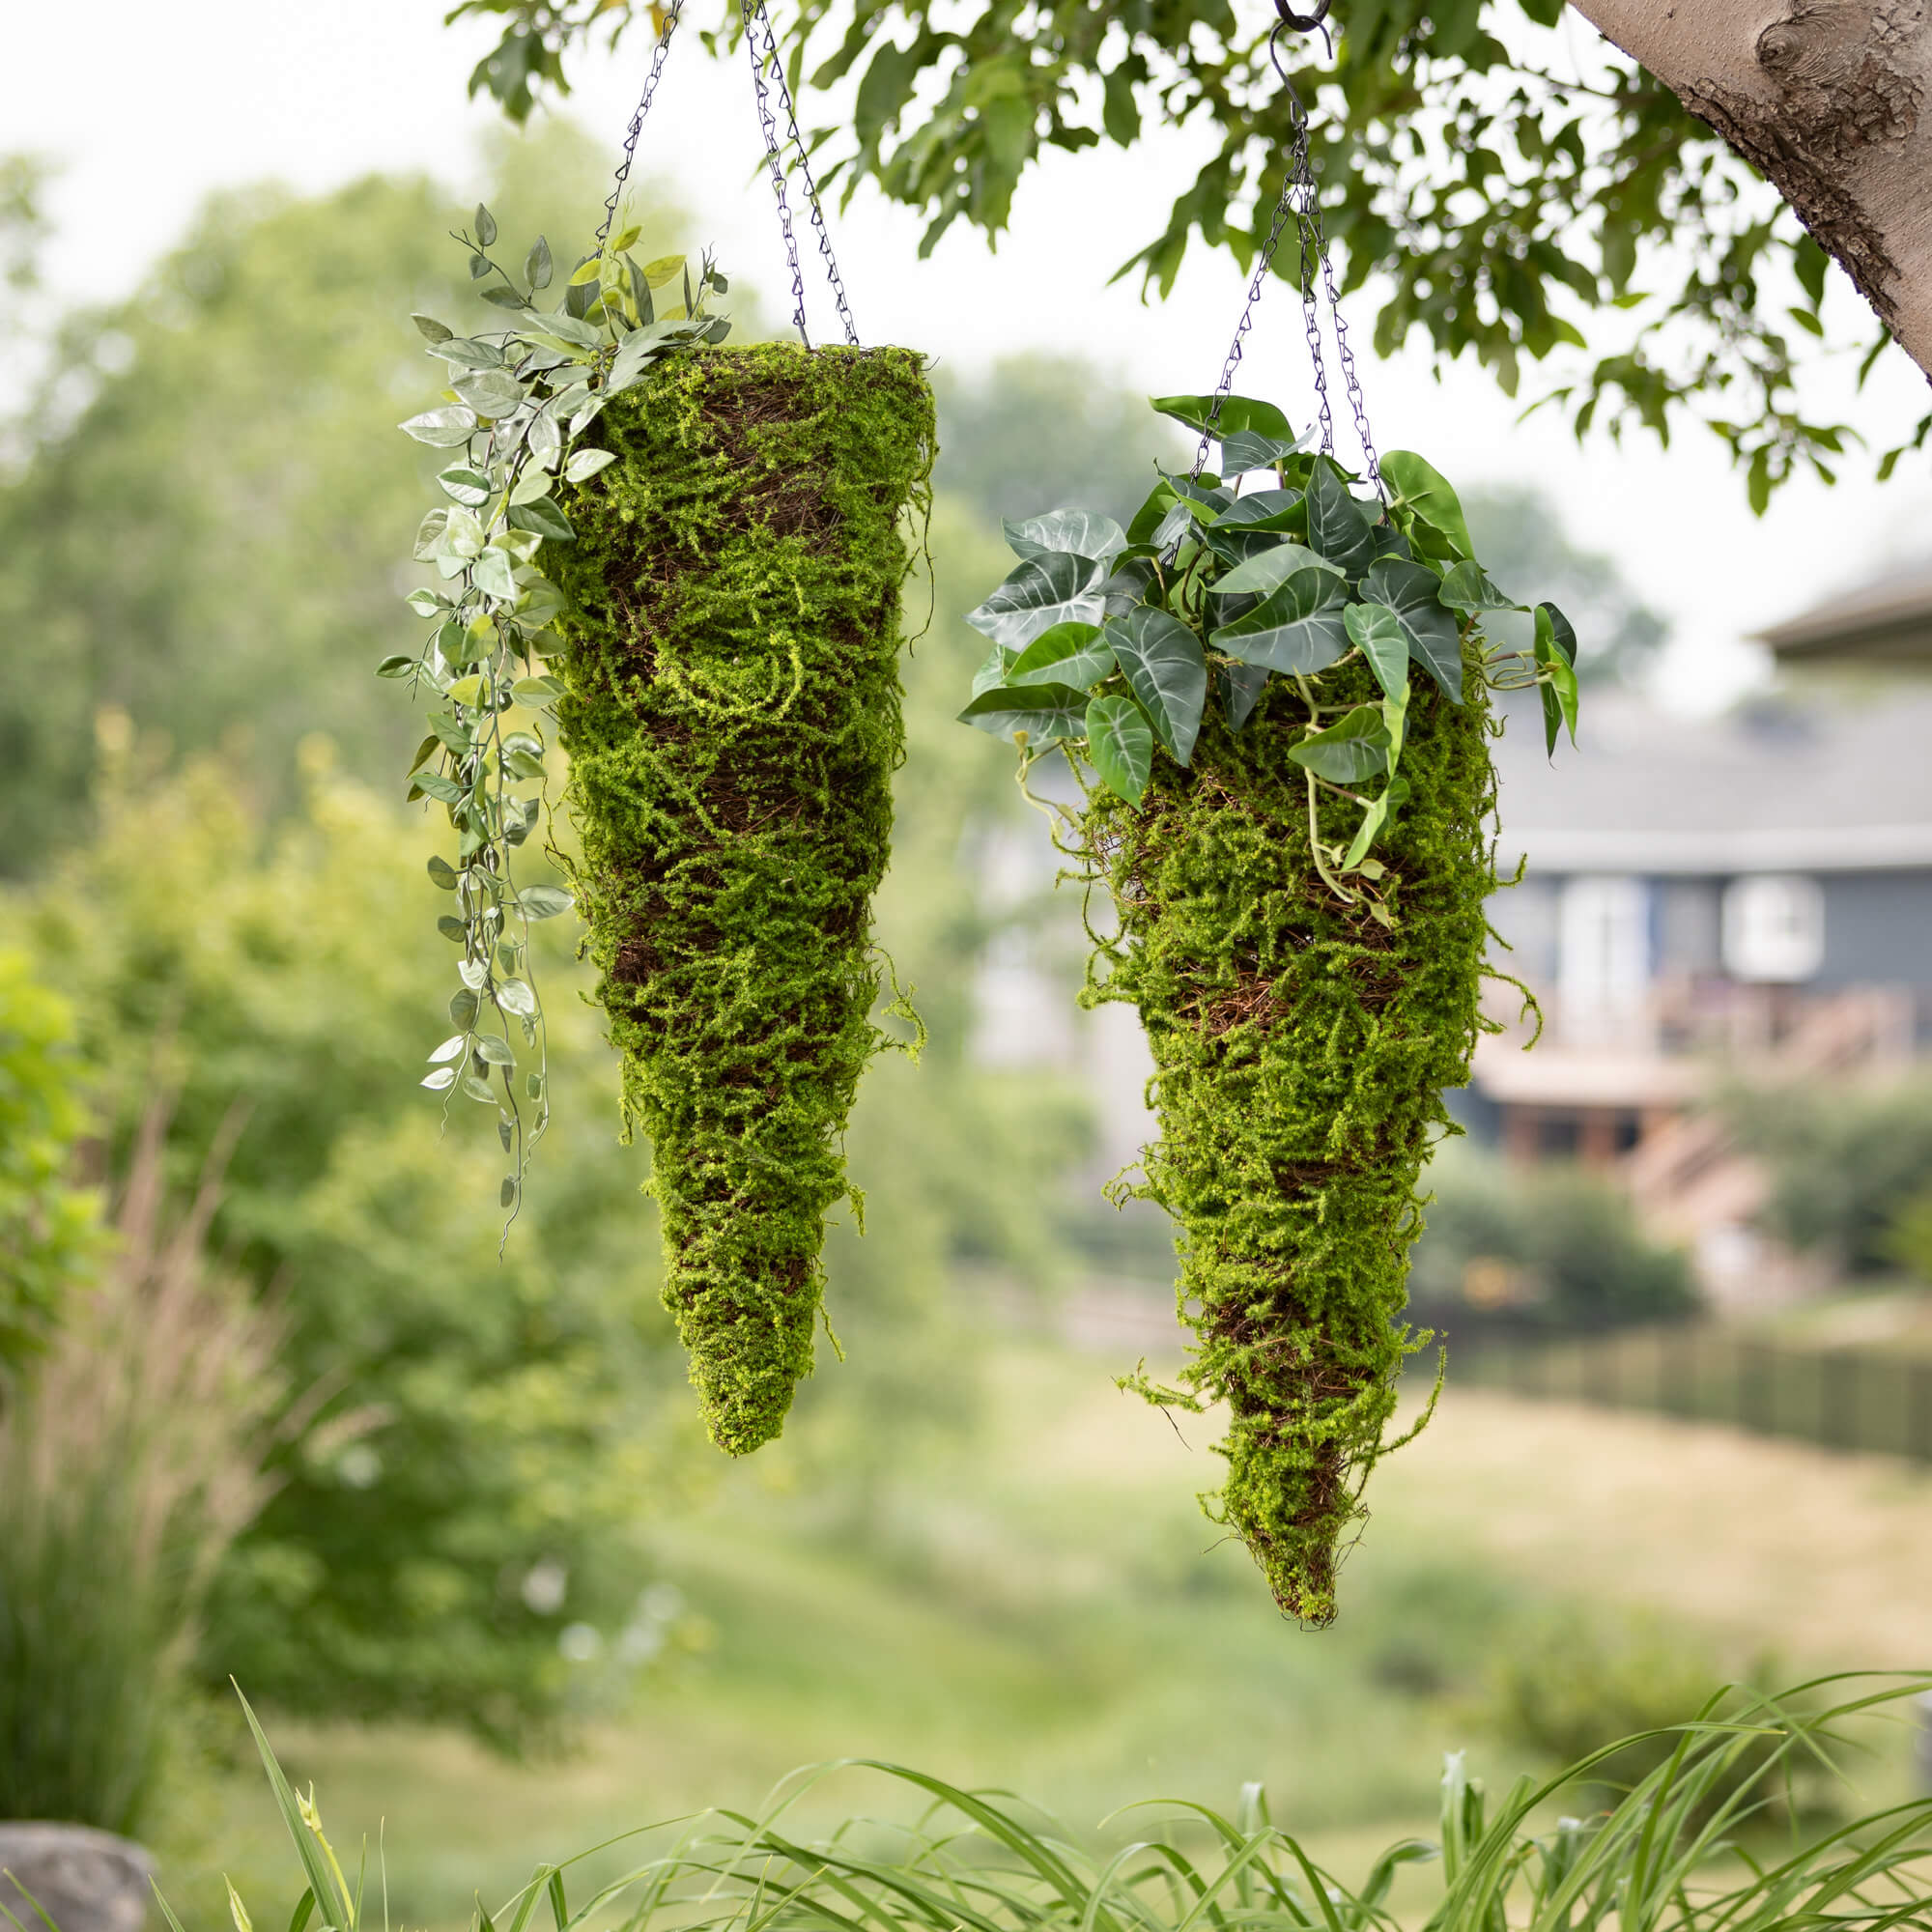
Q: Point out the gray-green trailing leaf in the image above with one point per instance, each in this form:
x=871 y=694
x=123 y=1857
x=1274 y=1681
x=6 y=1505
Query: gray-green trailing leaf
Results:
x=1042 y=712
x=1245 y=450
x=431 y=329
x=444 y=1078
x=516 y=996
x=430 y=534
x=1374 y=630
x=493 y=573
x=478 y=1088
x=432 y=785
x=992 y=671
x=585 y=463
x=444 y=428
x=1120 y=746
x=1339 y=529
x=450 y=1049
x=1435 y=640
x=1352 y=748
x=442 y=873
x=1056 y=588
x=1241 y=686
x=396 y=666
x=1079 y=532
x=1562 y=637
x=469 y=351
x=1298 y=627
x=542 y=517
x=538 y=265
x=486 y=225
x=496 y=1052
x=1466 y=587
x=1166 y=670
x=1423 y=490
x=1074 y=654
x=544 y=901
x=470 y=488
x=463 y=1008
x=489 y=392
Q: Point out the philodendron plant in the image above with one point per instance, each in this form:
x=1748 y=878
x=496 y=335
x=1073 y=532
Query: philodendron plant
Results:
x=519 y=399
x=1105 y=641
x=1274 y=694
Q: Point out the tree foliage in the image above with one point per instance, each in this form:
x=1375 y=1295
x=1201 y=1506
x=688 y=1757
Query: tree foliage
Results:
x=1509 y=198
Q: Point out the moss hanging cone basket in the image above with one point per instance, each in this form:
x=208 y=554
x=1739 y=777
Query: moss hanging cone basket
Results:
x=1300 y=1047
x=732 y=712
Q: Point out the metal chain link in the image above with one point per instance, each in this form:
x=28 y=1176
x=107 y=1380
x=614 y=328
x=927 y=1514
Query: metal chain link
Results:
x=832 y=275
x=754 y=17
x=1301 y=196
x=657 y=53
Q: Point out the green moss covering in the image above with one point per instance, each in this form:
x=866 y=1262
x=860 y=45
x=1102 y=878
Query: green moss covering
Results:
x=733 y=723
x=1301 y=1050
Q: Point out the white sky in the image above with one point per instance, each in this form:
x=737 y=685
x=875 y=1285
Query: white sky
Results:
x=151 y=107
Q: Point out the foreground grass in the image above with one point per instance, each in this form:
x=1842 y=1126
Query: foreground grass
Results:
x=1045 y=1611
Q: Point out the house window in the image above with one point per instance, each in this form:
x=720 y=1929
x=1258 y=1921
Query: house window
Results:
x=1604 y=948
x=1773 y=927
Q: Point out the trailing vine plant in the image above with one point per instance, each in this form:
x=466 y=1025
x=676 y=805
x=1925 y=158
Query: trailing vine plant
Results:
x=519 y=400
x=1274 y=695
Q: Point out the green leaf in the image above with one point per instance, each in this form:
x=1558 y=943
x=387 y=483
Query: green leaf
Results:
x=585 y=463
x=992 y=671
x=1055 y=588
x=1374 y=630
x=1298 y=627
x=493 y=574
x=1468 y=588
x=1074 y=654
x=463 y=1008
x=479 y=1088
x=431 y=329
x=516 y=996
x=1245 y=450
x=442 y=1079
x=1354 y=748
x=537 y=692
x=1426 y=492
x=1120 y=744
x=1557 y=679
x=1380 y=811
x=1241 y=686
x=452 y=928
x=427 y=603
x=470 y=352
x=442 y=429
x=1338 y=526
x=1164 y=665
x=486 y=225
x=445 y=790
x=442 y=873
x=506 y=1195
x=544 y=901
x=1251 y=524
x=471 y=487
x=1078 y=533
x=1561 y=633
x=505 y=298
x=544 y=517
x=1237 y=412
x=1035 y=714
x=489 y=392
x=538 y=265
x=1434 y=641
x=570 y=329
x=396 y=666
x=1270 y=569
x=495 y=1052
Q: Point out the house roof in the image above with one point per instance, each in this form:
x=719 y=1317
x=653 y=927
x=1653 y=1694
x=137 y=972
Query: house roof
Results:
x=1888 y=620
x=1771 y=787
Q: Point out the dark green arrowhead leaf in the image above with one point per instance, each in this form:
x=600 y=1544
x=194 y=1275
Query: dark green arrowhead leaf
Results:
x=1380 y=809
x=1354 y=749
x=1241 y=686
x=1042 y=712
x=1168 y=673
x=1254 y=523
x=1270 y=569
x=1466 y=587
x=1120 y=744
x=1434 y=641
x=1297 y=627
x=1237 y=412
x=1374 y=630
x=1556 y=678
x=1079 y=532
x=1073 y=654
x=1338 y=526
x=1245 y=450
x=1426 y=492
x=1056 y=588
x=1561 y=634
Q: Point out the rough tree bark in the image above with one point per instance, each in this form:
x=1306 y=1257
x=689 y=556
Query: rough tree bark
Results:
x=1829 y=99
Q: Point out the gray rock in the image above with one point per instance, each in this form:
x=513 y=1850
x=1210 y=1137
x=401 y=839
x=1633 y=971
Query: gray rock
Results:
x=84 y=1880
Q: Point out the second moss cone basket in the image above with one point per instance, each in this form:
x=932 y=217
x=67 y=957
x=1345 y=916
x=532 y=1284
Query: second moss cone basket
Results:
x=1301 y=1050
x=733 y=720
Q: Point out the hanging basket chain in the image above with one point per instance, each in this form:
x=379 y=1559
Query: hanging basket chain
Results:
x=1300 y=197
x=636 y=127
x=754 y=17
x=769 y=55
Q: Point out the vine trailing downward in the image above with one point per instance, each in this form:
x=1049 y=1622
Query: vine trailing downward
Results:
x=1275 y=702
x=518 y=401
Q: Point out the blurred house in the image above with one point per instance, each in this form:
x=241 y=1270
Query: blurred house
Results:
x=1745 y=898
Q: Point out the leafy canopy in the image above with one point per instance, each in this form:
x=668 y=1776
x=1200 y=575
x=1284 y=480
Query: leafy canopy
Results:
x=1510 y=199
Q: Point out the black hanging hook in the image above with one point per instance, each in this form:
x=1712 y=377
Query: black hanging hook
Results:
x=1302 y=23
